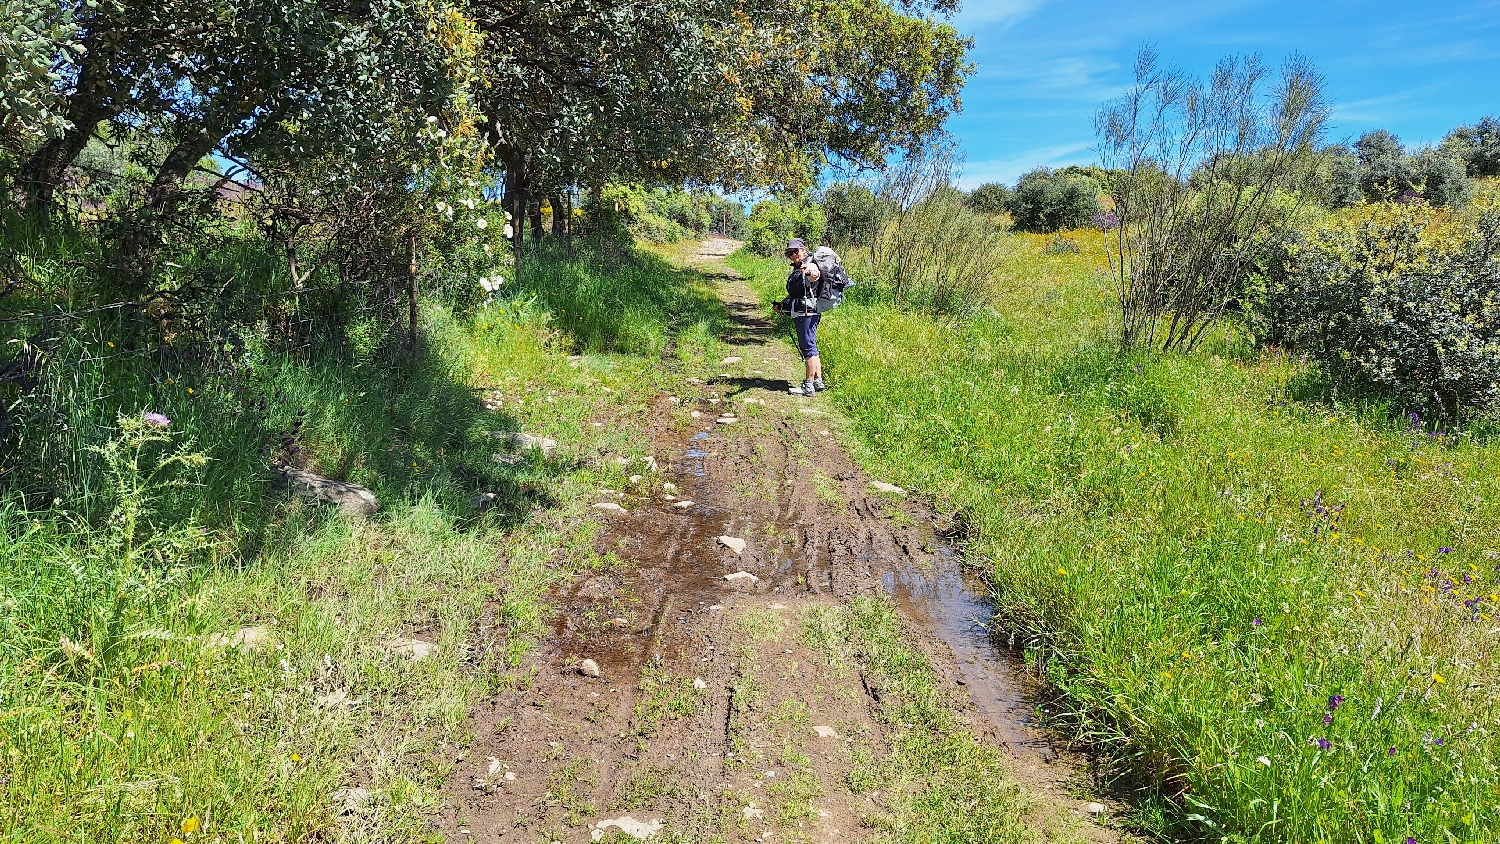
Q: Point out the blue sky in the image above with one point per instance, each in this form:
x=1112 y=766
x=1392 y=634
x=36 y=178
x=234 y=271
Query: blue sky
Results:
x=1417 y=69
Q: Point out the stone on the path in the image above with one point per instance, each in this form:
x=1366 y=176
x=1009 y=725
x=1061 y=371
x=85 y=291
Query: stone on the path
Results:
x=682 y=505
x=741 y=577
x=1095 y=809
x=588 y=668
x=733 y=543
x=546 y=445
x=752 y=812
x=695 y=414
x=351 y=499
x=727 y=420
x=650 y=462
x=882 y=486
x=508 y=459
x=826 y=732
x=415 y=650
x=635 y=479
x=482 y=501
x=610 y=507
x=640 y=830
x=776 y=607
x=811 y=412
x=699 y=685
x=731 y=359
x=246 y=639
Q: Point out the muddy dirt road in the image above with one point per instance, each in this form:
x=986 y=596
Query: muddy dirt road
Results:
x=712 y=717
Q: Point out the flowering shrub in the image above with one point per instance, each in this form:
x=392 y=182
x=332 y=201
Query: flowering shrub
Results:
x=1395 y=301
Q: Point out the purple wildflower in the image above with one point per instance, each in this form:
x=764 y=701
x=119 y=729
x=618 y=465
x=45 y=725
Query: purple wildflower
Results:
x=1467 y=579
x=1445 y=550
x=1391 y=752
x=1335 y=702
x=156 y=419
x=1438 y=742
x=1410 y=840
x=1328 y=719
x=1256 y=622
x=1322 y=743
x=1105 y=221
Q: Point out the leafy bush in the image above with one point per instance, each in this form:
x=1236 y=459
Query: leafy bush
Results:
x=775 y=221
x=990 y=198
x=1478 y=146
x=1387 y=172
x=1341 y=188
x=1395 y=303
x=661 y=215
x=1045 y=201
x=726 y=217
x=853 y=212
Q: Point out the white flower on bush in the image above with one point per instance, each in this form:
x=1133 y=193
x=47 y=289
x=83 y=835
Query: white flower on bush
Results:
x=490 y=285
x=482 y=223
x=432 y=118
x=509 y=232
x=469 y=204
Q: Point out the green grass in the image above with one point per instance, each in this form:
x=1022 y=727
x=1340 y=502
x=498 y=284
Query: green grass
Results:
x=935 y=781
x=1142 y=521
x=625 y=300
x=118 y=722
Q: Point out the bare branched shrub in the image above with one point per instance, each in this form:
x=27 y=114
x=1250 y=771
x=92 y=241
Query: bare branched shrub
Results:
x=932 y=250
x=1213 y=173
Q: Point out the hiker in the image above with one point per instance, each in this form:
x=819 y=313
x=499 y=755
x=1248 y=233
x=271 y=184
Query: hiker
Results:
x=802 y=287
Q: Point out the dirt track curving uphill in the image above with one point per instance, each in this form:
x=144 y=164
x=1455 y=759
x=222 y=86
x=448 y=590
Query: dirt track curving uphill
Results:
x=711 y=717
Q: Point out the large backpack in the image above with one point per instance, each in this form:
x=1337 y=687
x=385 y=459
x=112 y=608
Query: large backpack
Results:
x=834 y=279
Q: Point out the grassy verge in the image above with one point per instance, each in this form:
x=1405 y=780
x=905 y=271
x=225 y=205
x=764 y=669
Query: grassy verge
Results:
x=934 y=781
x=1278 y=617
x=120 y=721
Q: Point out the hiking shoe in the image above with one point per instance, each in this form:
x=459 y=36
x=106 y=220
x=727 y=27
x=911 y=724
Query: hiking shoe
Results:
x=806 y=388
x=819 y=385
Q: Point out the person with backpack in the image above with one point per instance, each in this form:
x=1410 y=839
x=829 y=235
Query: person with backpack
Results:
x=814 y=286
x=802 y=307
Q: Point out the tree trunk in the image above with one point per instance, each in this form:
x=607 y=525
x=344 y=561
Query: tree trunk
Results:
x=535 y=211
x=41 y=174
x=559 y=216
x=178 y=164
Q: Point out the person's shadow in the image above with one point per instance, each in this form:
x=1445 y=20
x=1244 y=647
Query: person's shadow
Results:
x=745 y=385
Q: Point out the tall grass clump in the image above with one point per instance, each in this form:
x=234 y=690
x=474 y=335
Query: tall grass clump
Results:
x=607 y=299
x=1274 y=621
x=920 y=243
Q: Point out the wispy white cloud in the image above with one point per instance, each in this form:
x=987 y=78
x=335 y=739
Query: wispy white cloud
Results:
x=984 y=14
x=1007 y=170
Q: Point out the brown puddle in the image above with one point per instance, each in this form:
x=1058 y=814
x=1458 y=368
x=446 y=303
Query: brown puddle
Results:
x=943 y=600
